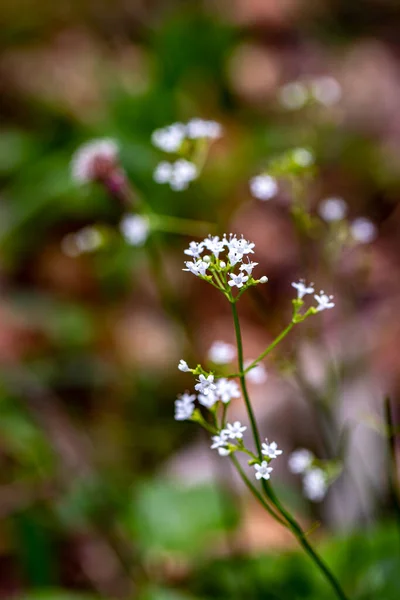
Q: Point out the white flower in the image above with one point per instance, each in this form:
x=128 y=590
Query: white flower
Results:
x=163 y=172
x=263 y=187
x=169 y=138
x=257 y=375
x=135 y=229
x=237 y=280
x=363 y=230
x=197 y=268
x=248 y=267
x=207 y=400
x=178 y=174
x=326 y=90
x=293 y=95
x=300 y=460
x=221 y=353
x=315 y=484
x=271 y=450
x=214 y=245
x=198 y=128
x=240 y=245
x=234 y=431
x=93 y=160
x=303 y=157
x=195 y=249
x=227 y=389
x=332 y=209
x=302 y=288
x=219 y=440
x=184 y=407
x=324 y=301
x=263 y=279
x=205 y=385
x=183 y=366
x=263 y=471
x=182 y=174
x=234 y=257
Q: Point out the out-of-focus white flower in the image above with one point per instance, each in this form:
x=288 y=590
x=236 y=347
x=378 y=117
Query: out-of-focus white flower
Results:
x=363 y=230
x=271 y=450
x=326 y=90
x=257 y=375
x=315 y=484
x=135 y=229
x=183 y=366
x=195 y=249
x=324 y=301
x=293 y=95
x=94 y=160
x=237 y=280
x=221 y=353
x=178 y=174
x=248 y=267
x=263 y=471
x=163 y=172
x=300 y=460
x=169 y=138
x=184 y=407
x=263 y=187
x=302 y=288
x=199 y=128
x=207 y=400
x=197 y=268
x=205 y=384
x=235 y=430
x=303 y=157
x=87 y=239
x=332 y=209
x=227 y=389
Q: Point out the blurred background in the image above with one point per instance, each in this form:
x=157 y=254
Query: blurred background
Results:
x=102 y=493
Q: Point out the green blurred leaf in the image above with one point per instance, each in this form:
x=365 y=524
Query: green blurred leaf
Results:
x=170 y=517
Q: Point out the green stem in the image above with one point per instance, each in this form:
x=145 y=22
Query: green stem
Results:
x=276 y=341
x=290 y=522
x=255 y=491
x=249 y=408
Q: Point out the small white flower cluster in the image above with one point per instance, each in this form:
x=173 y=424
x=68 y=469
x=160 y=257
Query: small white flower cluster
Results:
x=325 y=90
x=177 y=174
x=209 y=392
x=315 y=481
x=170 y=138
x=221 y=442
x=235 y=249
x=135 y=229
x=324 y=302
x=91 y=159
x=270 y=451
x=265 y=186
x=362 y=230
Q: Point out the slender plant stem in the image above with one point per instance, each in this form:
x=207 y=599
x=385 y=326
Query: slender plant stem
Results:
x=290 y=521
x=249 y=408
x=276 y=341
x=255 y=491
